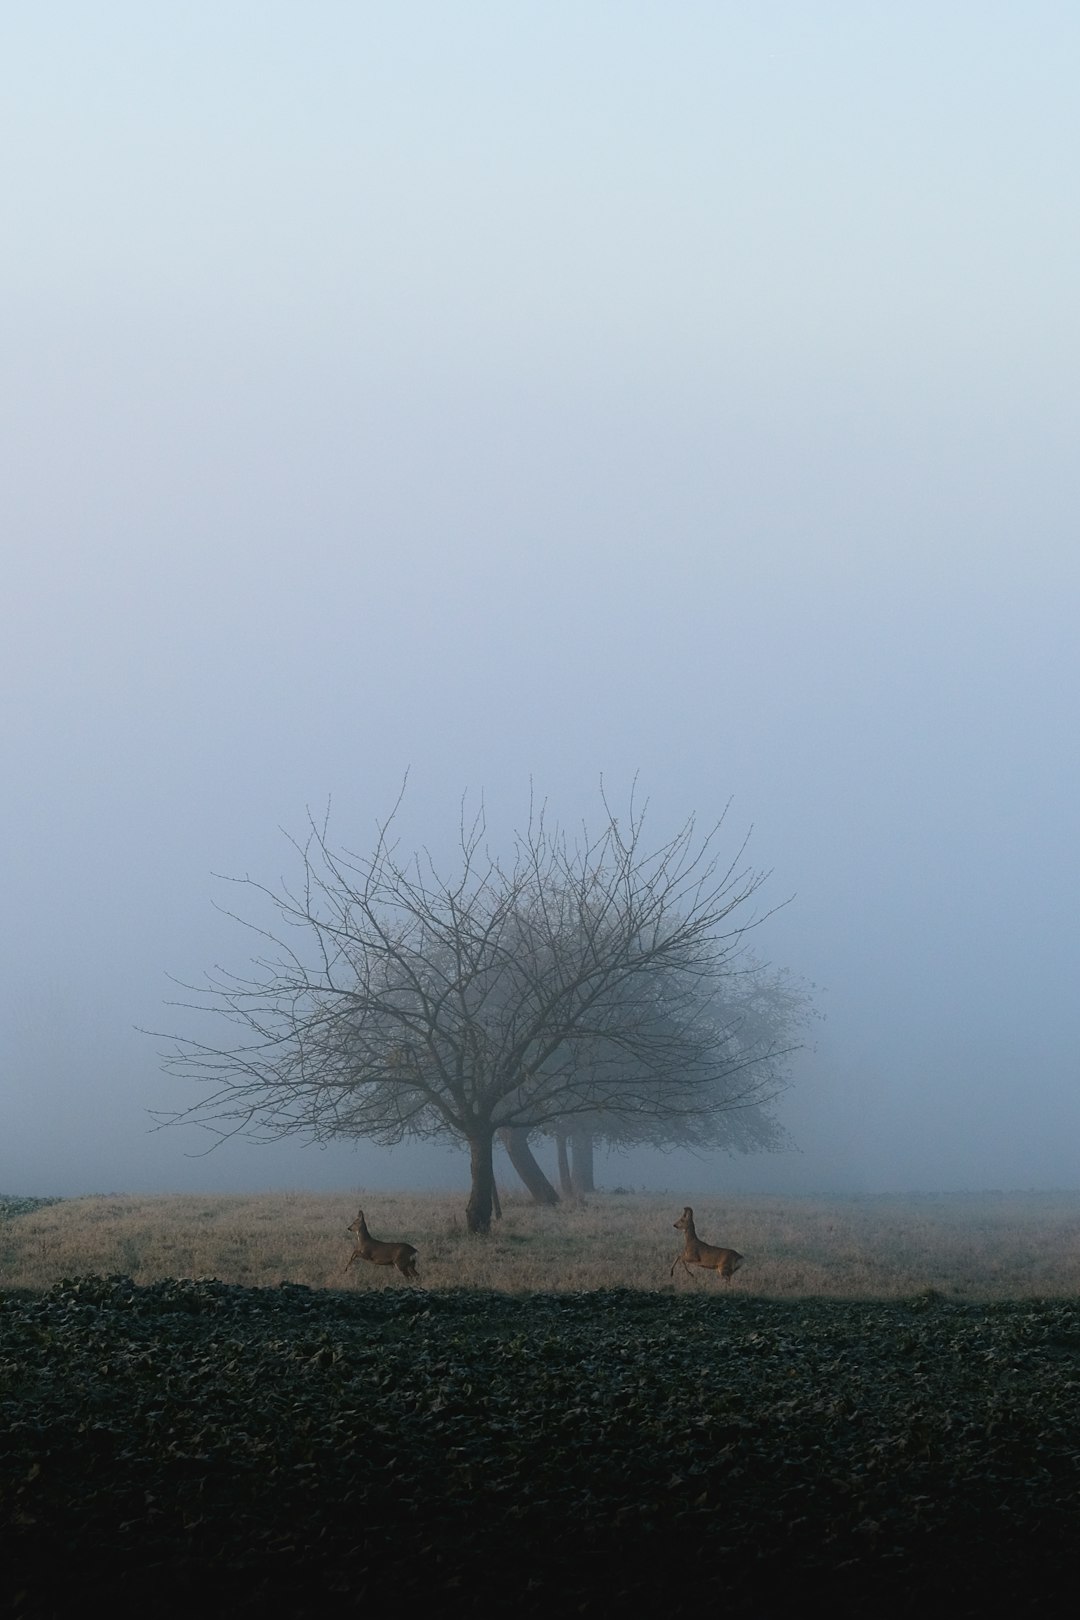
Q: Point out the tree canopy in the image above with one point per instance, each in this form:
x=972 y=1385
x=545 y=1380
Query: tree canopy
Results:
x=577 y=979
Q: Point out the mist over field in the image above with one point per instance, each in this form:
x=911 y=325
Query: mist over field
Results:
x=521 y=398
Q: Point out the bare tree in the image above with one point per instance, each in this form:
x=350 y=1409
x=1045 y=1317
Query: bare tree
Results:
x=758 y=1014
x=516 y=1142
x=388 y=1001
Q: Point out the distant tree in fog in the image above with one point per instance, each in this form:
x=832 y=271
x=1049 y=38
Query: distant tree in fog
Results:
x=756 y=1014
x=576 y=981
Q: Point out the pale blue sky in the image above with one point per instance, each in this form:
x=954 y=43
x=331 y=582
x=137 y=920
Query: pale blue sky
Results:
x=546 y=390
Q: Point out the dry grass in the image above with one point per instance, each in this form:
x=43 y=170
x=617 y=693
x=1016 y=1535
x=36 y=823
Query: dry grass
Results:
x=972 y=1247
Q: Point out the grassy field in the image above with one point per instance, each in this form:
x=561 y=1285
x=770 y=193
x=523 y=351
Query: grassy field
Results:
x=876 y=1416
x=992 y=1246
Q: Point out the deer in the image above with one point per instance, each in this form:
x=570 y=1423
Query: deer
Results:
x=696 y=1253
x=401 y=1255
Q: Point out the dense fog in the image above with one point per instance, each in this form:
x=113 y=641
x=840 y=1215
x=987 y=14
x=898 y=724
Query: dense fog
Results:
x=520 y=397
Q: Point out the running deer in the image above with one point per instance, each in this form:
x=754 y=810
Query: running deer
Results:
x=402 y=1255
x=696 y=1253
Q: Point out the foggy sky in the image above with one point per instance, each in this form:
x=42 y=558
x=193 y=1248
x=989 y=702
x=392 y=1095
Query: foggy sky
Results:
x=529 y=394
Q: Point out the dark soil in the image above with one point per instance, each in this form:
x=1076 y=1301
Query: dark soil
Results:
x=287 y=1451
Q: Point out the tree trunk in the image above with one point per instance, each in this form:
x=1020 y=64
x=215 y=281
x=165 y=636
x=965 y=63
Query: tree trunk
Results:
x=581 y=1147
x=566 y=1180
x=482 y=1196
x=515 y=1140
